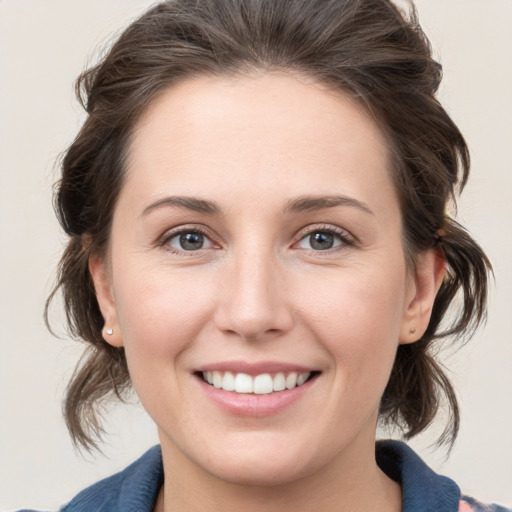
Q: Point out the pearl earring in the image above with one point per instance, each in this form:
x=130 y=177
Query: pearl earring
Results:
x=110 y=332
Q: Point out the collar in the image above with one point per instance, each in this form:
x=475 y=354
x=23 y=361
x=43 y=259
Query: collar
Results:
x=136 y=488
x=422 y=489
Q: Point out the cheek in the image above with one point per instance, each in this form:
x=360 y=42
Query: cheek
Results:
x=357 y=316
x=160 y=315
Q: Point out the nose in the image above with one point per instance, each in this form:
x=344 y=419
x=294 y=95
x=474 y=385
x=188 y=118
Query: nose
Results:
x=253 y=302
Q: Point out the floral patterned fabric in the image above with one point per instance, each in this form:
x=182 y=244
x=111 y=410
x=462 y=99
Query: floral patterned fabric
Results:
x=468 y=504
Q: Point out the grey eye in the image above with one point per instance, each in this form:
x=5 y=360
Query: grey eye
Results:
x=189 y=241
x=320 y=241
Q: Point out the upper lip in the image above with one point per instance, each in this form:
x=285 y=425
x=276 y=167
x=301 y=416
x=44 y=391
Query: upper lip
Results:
x=254 y=368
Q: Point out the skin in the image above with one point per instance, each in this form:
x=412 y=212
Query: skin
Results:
x=258 y=291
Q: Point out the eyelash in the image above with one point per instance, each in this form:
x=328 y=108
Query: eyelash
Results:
x=182 y=230
x=345 y=238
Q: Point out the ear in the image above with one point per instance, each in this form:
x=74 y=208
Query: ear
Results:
x=101 y=278
x=424 y=285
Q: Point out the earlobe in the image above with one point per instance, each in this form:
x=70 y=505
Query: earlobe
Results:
x=104 y=294
x=429 y=273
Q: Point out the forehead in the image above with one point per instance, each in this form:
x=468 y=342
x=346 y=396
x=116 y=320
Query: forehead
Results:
x=257 y=133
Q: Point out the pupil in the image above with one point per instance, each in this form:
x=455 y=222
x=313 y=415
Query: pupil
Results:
x=321 y=241
x=191 y=241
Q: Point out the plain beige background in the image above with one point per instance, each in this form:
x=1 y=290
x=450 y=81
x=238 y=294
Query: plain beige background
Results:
x=44 y=44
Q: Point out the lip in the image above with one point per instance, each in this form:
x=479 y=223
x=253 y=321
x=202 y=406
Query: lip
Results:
x=254 y=369
x=249 y=404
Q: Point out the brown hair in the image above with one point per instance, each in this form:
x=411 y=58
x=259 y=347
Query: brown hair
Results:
x=366 y=48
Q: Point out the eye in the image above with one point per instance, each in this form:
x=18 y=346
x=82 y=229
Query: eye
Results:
x=188 y=240
x=324 y=240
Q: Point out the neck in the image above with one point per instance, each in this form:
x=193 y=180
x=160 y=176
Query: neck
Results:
x=352 y=483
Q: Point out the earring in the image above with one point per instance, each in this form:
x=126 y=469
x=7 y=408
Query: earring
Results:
x=110 y=332
x=412 y=331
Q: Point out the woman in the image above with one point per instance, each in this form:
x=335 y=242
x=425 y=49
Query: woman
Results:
x=259 y=243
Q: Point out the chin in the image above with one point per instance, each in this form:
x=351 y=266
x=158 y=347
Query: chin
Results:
x=259 y=473
x=263 y=464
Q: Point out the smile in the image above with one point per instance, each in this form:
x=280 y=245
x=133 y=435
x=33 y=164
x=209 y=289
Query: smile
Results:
x=262 y=384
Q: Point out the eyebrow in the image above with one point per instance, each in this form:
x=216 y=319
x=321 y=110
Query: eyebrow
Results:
x=313 y=203
x=190 y=203
x=300 y=204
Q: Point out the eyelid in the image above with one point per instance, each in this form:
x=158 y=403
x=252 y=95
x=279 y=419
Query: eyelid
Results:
x=347 y=239
x=171 y=233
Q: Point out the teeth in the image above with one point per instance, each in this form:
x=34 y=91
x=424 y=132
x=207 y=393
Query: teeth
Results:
x=291 y=380
x=228 y=382
x=243 y=383
x=303 y=377
x=263 y=384
x=217 y=379
x=279 y=382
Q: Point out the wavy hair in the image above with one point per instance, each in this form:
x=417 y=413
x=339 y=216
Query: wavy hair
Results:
x=368 y=49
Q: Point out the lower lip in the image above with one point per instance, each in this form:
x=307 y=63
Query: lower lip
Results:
x=252 y=405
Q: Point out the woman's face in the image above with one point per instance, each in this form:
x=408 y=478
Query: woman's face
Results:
x=257 y=243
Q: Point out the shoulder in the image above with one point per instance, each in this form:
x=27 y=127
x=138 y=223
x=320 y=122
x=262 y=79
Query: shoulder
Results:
x=424 y=490
x=132 y=490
